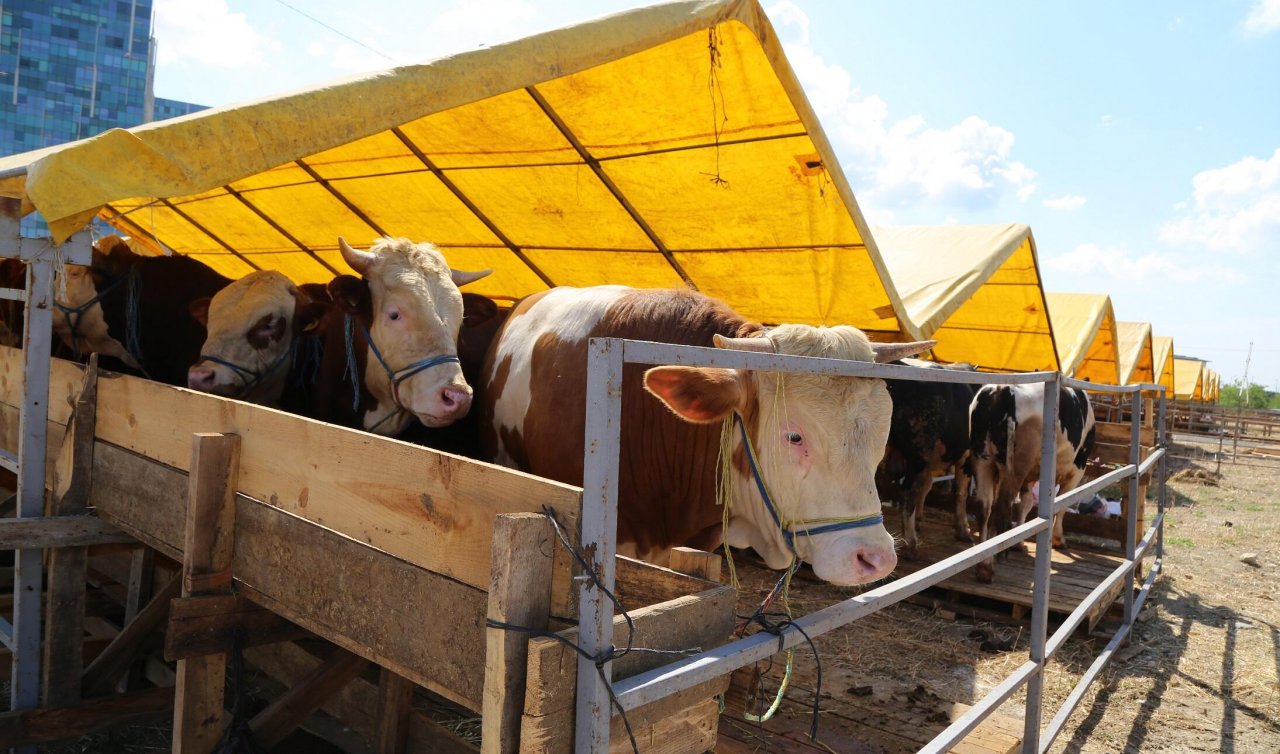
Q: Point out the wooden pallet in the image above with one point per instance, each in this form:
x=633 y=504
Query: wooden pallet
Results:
x=1009 y=598
x=872 y=723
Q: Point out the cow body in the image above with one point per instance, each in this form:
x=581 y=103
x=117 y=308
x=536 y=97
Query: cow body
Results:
x=1006 y=431
x=817 y=438
x=141 y=313
x=928 y=437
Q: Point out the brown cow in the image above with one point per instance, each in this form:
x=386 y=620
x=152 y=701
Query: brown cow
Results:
x=818 y=439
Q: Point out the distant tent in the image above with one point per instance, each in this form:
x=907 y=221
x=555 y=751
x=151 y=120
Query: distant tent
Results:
x=1162 y=348
x=973 y=288
x=1137 y=356
x=1084 y=328
x=1188 y=375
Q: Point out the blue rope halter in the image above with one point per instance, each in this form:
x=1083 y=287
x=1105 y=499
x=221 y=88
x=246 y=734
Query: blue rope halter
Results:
x=250 y=378
x=788 y=528
x=395 y=376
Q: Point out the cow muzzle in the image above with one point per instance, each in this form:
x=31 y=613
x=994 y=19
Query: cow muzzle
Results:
x=447 y=405
x=851 y=561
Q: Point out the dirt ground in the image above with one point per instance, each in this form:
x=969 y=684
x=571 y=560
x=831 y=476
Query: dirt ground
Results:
x=1201 y=673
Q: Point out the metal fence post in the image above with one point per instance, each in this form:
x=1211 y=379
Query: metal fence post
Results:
x=1044 y=558
x=1131 y=516
x=598 y=538
x=1163 y=470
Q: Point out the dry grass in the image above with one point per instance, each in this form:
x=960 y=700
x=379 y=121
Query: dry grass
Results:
x=1201 y=671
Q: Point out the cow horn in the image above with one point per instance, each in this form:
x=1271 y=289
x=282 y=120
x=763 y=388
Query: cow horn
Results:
x=358 y=260
x=759 y=345
x=893 y=351
x=461 y=278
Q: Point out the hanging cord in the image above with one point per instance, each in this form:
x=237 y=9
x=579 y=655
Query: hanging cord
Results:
x=353 y=369
x=133 y=320
x=608 y=654
x=237 y=737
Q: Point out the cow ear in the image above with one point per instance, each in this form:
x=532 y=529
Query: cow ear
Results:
x=348 y=293
x=199 y=309
x=696 y=394
x=308 y=311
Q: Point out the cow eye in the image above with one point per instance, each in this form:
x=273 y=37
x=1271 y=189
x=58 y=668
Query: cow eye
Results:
x=393 y=315
x=793 y=437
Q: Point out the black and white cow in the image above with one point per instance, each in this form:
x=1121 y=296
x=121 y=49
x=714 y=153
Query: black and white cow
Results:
x=928 y=436
x=1005 y=430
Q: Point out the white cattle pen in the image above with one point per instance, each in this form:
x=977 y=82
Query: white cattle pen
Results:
x=595 y=699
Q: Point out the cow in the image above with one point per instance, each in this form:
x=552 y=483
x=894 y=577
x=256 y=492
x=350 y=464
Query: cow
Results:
x=814 y=441
x=1005 y=435
x=928 y=436
x=13 y=275
x=135 y=308
x=274 y=342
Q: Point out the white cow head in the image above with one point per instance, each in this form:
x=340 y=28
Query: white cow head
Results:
x=818 y=440
x=416 y=315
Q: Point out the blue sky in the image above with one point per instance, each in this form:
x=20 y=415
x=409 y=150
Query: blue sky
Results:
x=1140 y=140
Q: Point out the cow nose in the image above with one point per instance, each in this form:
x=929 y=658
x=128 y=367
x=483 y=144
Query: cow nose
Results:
x=455 y=401
x=871 y=562
x=200 y=378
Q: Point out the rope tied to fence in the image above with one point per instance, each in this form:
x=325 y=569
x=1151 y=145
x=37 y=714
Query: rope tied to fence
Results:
x=237 y=737
x=607 y=654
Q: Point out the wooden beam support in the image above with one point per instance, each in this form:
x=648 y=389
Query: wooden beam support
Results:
x=206 y=624
x=38 y=726
x=138 y=590
x=395 y=701
x=519 y=594
x=278 y=720
x=64 y=624
x=206 y=570
x=103 y=672
x=58 y=531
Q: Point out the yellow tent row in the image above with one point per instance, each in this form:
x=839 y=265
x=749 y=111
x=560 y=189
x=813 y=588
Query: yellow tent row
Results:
x=1084 y=327
x=663 y=146
x=1162 y=348
x=1188 y=375
x=1137 y=354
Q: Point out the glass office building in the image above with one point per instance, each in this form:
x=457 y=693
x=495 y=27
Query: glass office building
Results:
x=71 y=69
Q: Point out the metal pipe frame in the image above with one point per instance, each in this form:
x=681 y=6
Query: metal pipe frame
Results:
x=606 y=360
x=24 y=634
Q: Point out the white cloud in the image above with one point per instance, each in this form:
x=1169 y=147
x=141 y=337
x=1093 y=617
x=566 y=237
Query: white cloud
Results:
x=207 y=32
x=487 y=22
x=1123 y=266
x=1107 y=119
x=899 y=163
x=1263 y=18
x=1067 y=201
x=1234 y=208
x=347 y=57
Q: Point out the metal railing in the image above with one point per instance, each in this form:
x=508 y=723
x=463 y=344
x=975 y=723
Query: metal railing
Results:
x=606 y=357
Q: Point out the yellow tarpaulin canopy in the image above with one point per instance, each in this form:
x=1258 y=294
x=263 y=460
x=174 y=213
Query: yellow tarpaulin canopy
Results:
x=1211 y=393
x=974 y=288
x=653 y=147
x=1084 y=329
x=1162 y=348
x=1137 y=357
x=1188 y=376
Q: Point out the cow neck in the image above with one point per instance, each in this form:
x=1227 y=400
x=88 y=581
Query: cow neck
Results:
x=75 y=314
x=792 y=528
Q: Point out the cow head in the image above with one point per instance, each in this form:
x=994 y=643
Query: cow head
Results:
x=251 y=324
x=818 y=440
x=77 y=315
x=416 y=314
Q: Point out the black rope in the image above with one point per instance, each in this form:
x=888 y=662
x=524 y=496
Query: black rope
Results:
x=606 y=655
x=237 y=737
x=778 y=629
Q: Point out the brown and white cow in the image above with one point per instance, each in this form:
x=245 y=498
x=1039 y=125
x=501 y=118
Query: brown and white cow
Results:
x=135 y=308
x=818 y=439
x=403 y=319
x=1006 y=424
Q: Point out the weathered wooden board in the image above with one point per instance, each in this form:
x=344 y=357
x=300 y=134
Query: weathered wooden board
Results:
x=428 y=508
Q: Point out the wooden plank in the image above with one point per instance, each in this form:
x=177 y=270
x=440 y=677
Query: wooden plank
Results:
x=37 y=726
x=285 y=714
x=205 y=625
x=355 y=704
x=699 y=563
x=395 y=701
x=428 y=508
x=519 y=594
x=702 y=620
x=103 y=672
x=423 y=626
x=65 y=600
x=208 y=545
x=639 y=583
x=60 y=530
x=1120 y=433
x=137 y=592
